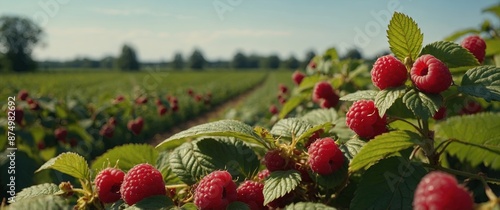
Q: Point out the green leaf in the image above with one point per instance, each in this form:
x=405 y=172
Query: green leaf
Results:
x=290 y=104
x=331 y=54
x=159 y=202
x=46 y=202
x=307 y=206
x=309 y=82
x=482 y=81
x=451 y=54
x=475 y=138
x=423 y=105
x=385 y=98
x=492 y=47
x=290 y=128
x=37 y=190
x=237 y=205
x=383 y=146
x=279 y=183
x=321 y=116
x=405 y=38
x=458 y=34
x=227 y=128
x=127 y=156
x=193 y=160
x=351 y=147
x=162 y=163
x=68 y=163
x=331 y=181
x=390 y=184
x=495 y=9
x=358 y=95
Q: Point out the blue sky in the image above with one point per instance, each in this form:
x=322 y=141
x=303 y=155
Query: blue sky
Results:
x=158 y=29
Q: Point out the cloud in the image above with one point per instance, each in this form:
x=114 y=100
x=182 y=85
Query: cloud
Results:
x=137 y=12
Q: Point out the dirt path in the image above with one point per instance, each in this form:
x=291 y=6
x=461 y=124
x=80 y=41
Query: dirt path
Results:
x=215 y=113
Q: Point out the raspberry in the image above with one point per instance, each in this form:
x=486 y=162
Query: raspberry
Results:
x=19 y=113
x=297 y=77
x=322 y=90
x=476 y=45
x=107 y=130
x=118 y=99
x=108 y=183
x=438 y=190
x=274 y=161
x=262 y=175
x=273 y=109
x=440 y=114
x=250 y=192
x=215 y=191
x=141 y=100
x=325 y=156
x=136 y=125
x=430 y=75
x=162 y=110
x=388 y=72
x=363 y=118
x=140 y=182
x=22 y=95
x=471 y=107
x=283 y=88
x=61 y=133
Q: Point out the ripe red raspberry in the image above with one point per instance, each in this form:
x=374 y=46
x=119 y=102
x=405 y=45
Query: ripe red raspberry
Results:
x=262 y=175
x=273 y=109
x=250 y=192
x=215 y=191
x=283 y=88
x=430 y=75
x=140 y=182
x=440 y=114
x=118 y=99
x=476 y=45
x=438 y=190
x=471 y=107
x=19 y=113
x=22 y=95
x=363 y=118
x=61 y=133
x=325 y=156
x=107 y=130
x=274 y=161
x=388 y=72
x=141 y=100
x=297 y=77
x=322 y=90
x=162 y=110
x=108 y=183
x=136 y=125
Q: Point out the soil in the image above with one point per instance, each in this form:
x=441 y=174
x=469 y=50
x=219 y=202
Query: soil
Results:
x=206 y=117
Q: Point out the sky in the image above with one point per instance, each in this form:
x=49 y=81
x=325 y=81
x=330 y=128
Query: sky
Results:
x=220 y=28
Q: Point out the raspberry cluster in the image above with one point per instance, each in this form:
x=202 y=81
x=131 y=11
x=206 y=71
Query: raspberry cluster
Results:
x=324 y=94
x=364 y=120
x=438 y=190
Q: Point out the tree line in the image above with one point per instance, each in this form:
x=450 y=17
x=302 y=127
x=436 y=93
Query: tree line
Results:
x=19 y=36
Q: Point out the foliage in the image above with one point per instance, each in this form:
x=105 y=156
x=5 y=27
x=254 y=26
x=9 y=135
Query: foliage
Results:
x=127 y=61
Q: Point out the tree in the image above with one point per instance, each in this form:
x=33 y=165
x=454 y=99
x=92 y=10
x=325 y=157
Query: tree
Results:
x=178 y=62
x=239 y=61
x=292 y=63
x=18 y=37
x=197 y=61
x=271 y=62
x=309 y=56
x=107 y=62
x=353 y=53
x=253 y=61
x=128 y=59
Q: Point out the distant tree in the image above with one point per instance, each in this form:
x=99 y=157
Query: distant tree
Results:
x=309 y=56
x=292 y=63
x=271 y=62
x=128 y=59
x=253 y=61
x=353 y=53
x=107 y=62
x=178 y=62
x=197 y=61
x=18 y=37
x=239 y=61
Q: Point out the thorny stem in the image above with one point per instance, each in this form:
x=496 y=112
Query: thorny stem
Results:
x=463 y=173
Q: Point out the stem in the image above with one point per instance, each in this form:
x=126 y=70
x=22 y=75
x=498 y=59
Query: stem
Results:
x=176 y=186
x=409 y=123
x=463 y=173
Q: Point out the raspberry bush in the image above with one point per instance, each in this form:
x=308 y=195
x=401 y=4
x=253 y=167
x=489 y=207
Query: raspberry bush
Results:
x=418 y=129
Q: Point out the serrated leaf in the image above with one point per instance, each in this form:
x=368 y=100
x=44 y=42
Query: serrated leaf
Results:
x=222 y=128
x=321 y=116
x=193 y=160
x=385 y=98
x=390 y=184
x=237 y=205
x=405 y=38
x=158 y=202
x=358 y=95
x=69 y=163
x=331 y=54
x=458 y=34
x=326 y=126
x=492 y=47
x=495 y=9
x=331 y=181
x=290 y=128
x=308 y=206
x=37 y=190
x=423 y=105
x=482 y=81
x=291 y=104
x=383 y=146
x=451 y=54
x=46 y=202
x=351 y=148
x=279 y=183
x=162 y=163
x=475 y=138
x=309 y=82
x=127 y=156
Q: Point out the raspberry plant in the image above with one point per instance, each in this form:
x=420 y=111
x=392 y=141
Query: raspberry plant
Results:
x=310 y=158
